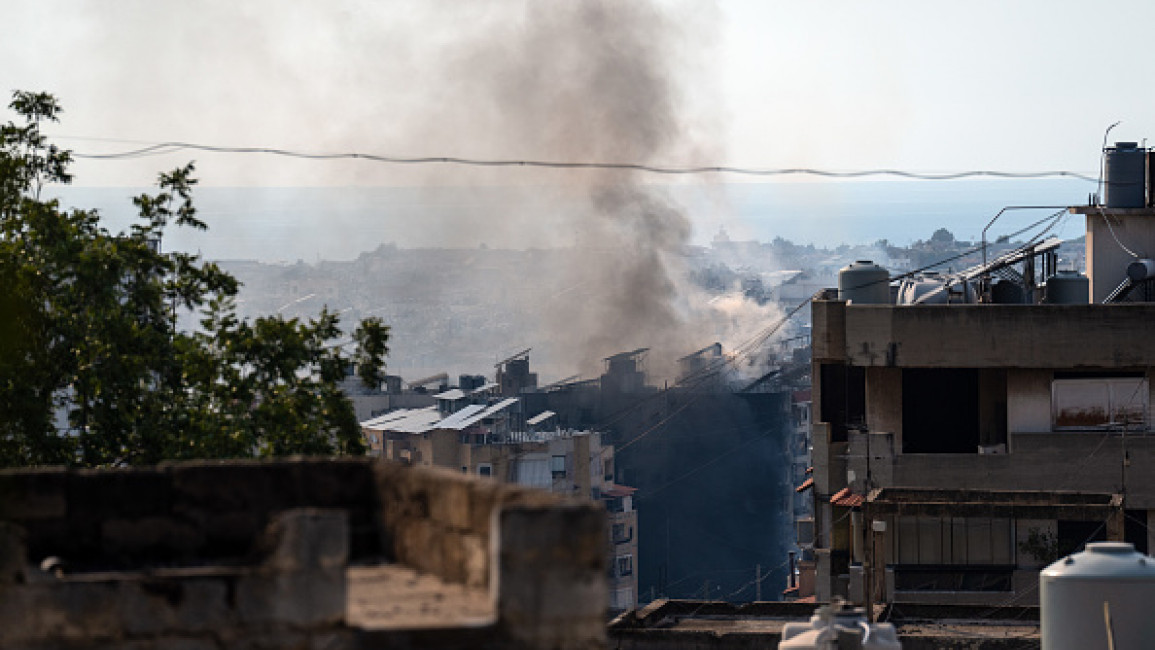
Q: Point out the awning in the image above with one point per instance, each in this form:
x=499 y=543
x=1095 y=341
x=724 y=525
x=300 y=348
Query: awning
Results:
x=847 y=499
x=540 y=417
x=806 y=485
x=618 y=491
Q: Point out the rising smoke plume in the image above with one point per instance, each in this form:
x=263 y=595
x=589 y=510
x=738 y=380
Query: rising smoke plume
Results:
x=590 y=80
x=599 y=81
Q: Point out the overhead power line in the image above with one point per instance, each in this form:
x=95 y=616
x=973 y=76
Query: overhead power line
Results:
x=164 y=148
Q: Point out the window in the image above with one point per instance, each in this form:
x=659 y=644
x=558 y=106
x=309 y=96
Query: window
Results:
x=941 y=411
x=1099 y=402
x=608 y=471
x=953 y=541
x=485 y=469
x=843 y=398
x=557 y=466
x=625 y=565
x=622 y=533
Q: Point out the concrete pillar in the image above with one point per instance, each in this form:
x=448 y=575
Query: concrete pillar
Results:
x=13 y=552
x=1115 y=525
x=549 y=570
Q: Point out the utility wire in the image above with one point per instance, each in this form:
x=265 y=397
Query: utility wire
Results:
x=163 y=148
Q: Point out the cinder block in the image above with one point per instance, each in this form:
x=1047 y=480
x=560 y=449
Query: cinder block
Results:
x=58 y=611
x=413 y=541
x=13 y=552
x=174 y=606
x=296 y=599
x=131 y=493
x=449 y=504
x=476 y=561
x=150 y=537
x=170 y=643
x=306 y=540
x=33 y=494
x=550 y=575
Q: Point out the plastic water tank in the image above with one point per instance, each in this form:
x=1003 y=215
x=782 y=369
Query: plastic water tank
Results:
x=1125 y=177
x=1072 y=592
x=1004 y=292
x=864 y=283
x=823 y=629
x=1068 y=288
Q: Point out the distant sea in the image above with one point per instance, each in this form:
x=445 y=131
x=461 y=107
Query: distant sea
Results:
x=310 y=224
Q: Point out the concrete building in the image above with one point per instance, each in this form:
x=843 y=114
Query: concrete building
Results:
x=800 y=582
x=479 y=433
x=958 y=448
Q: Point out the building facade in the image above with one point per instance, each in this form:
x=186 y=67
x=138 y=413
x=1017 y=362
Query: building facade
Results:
x=958 y=448
x=479 y=433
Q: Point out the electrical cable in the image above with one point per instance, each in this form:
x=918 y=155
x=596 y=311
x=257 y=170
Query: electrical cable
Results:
x=1114 y=236
x=162 y=148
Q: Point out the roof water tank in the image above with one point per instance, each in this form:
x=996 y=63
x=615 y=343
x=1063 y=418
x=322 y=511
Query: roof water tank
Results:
x=1072 y=593
x=864 y=283
x=1125 y=177
x=1068 y=288
x=1004 y=292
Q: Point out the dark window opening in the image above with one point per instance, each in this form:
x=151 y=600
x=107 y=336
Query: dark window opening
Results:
x=940 y=411
x=843 y=398
x=1073 y=535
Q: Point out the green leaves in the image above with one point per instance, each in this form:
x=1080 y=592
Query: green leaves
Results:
x=372 y=338
x=93 y=369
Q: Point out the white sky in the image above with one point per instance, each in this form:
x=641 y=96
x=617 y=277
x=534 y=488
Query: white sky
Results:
x=917 y=85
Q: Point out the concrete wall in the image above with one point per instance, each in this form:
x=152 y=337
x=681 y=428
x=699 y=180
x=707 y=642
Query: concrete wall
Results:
x=254 y=554
x=1029 y=401
x=1069 y=461
x=1106 y=260
x=978 y=336
x=884 y=400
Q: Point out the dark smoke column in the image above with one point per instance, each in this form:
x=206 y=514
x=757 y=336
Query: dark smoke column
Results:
x=590 y=81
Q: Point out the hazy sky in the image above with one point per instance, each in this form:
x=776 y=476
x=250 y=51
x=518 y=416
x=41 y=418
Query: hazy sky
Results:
x=1013 y=85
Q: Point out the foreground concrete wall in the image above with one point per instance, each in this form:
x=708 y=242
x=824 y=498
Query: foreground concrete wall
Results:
x=254 y=555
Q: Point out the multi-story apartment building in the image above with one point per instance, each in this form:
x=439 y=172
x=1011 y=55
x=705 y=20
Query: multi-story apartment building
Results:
x=480 y=433
x=958 y=448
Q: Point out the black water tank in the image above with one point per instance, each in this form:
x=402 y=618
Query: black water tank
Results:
x=1068 y=288
x=1125 y=177
x=1004 y=292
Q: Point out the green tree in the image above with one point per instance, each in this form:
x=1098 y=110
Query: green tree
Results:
x=88 y=329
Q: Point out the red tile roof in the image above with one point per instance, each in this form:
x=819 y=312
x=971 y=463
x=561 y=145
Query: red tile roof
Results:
x=806 y=485
x=847 y=499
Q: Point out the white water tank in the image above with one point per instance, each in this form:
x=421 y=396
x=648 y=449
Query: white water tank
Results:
x=1072 y=592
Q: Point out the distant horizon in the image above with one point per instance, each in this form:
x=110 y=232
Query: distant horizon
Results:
x=288 y=224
